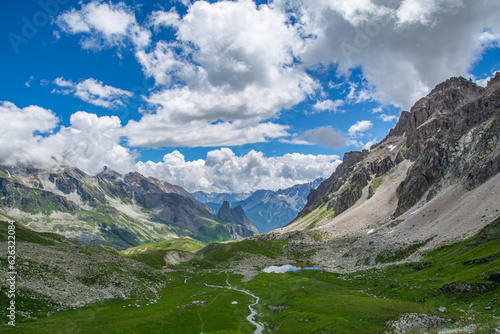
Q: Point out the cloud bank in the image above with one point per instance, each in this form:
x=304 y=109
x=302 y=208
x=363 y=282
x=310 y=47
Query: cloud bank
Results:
x=223 y=171
x=233 y=67
x=90 y=143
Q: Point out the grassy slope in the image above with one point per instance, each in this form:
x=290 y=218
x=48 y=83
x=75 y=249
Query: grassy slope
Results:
x=182 y=244
x=310 y=301
x=35 y=304
x=152 y=254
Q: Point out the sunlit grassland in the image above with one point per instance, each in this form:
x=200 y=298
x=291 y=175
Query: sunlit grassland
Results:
x=310 y=301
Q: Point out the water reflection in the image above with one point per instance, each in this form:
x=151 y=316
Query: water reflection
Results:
x=285 y=268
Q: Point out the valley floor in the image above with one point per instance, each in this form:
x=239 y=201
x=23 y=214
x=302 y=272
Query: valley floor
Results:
x=451 y=287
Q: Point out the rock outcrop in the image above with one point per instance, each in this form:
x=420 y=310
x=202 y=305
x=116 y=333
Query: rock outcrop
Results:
x=241 y=226
x=452 y=136
x=351 y=192
x=449 y=136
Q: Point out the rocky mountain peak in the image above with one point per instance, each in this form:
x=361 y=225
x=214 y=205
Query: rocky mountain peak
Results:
x=494 y=82
x=109 y=174
x=450 y=136
x=444 y=98
x=242 y=226
x=352 y=158
x=225 y=208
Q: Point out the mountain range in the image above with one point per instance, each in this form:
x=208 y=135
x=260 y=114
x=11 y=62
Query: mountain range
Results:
x=110 y=209
x=267 y=209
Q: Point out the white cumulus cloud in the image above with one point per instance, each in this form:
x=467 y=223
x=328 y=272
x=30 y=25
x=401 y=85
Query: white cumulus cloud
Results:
x=404 y=47
x=31 y=136
x=230 y=69
x=104 y=25
x=329 y=105
x=359 y=126
x=223 y=171
x=21 y=132
x=388 y=118
x=93 y=91
x=34 y=136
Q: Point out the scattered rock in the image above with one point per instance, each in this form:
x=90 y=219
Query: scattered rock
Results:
x=480 y=261
x=466 y=289
x=198 y=302
x=495 y=277
x=410 y=322
x=442 y=309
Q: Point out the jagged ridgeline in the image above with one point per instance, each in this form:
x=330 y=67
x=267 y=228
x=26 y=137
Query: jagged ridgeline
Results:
x=109 y=209
x=440 y=160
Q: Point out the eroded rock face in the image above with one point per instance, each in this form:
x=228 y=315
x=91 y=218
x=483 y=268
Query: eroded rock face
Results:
x=175 y=257
x=450 y=136
x=320 y=196
x=241 y=227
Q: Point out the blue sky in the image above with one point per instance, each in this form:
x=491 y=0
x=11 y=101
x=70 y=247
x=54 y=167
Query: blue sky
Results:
x=226 y=95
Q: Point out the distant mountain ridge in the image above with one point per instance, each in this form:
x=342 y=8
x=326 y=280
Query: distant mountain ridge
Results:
x=110 y=209
x=267 y=209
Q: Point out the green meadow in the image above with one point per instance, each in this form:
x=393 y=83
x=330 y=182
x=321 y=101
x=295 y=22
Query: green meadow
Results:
x=308 y=301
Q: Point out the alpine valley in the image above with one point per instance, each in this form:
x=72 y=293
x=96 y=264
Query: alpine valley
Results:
x=401 y=238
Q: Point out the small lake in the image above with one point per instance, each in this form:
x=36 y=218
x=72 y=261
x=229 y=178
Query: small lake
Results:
x=286 y=268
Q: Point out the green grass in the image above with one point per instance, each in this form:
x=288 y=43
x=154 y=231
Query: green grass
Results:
x=182 y=244
x=393 y=255
x=26 y=234
x=305 y=301
x=222 y=254
x=377 y=182
x=447 y=276
x=174 y=313
x=153 y=254
x=318 y=302
x=317 y=235
x=316 y=216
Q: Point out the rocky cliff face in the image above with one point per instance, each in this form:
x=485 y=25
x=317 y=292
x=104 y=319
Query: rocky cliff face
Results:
x=449 y=136
x=432 y=180
x=241 y=227
x=452 y=136
x=334 y=183
x=110 y=209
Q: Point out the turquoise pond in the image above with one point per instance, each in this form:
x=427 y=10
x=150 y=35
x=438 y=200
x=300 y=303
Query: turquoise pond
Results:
x=286 y=268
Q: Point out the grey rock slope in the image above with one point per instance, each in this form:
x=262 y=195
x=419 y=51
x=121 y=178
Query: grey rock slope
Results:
x=241 y=227
x=432 y=180
x=55 y=273
x=267 y=209
x=451 y=135
x=110 y=209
